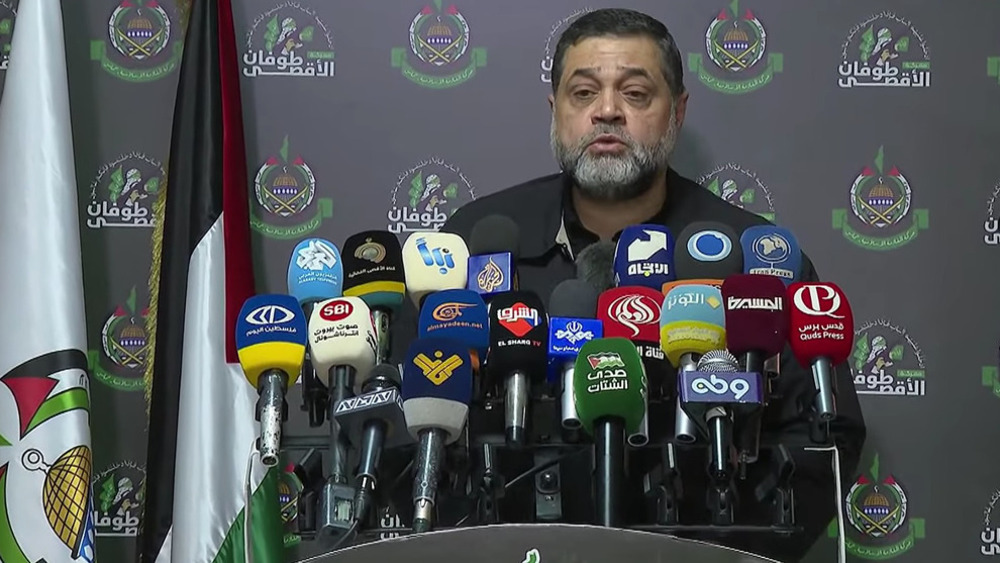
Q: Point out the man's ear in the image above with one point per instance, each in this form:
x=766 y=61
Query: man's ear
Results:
x=680 y=108
x=552 y=102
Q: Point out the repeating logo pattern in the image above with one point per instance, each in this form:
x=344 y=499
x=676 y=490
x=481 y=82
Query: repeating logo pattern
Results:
x=143 y=43
x=885 y=50
x=118 y=496
x=991 y=226
x=550 y=43
x=440 y=54
x=736 y=45
x=879 y=514
x=426 y=195
x=991 y=379
x=121 y=360
x=885 y=360
x=741 y=187
x=8 y=12
x=289 y=40
x=882 y=215
x=285 y=205
x=124 y=191
x=993 y=67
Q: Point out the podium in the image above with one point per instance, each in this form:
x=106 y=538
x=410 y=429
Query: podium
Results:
x=538 y=543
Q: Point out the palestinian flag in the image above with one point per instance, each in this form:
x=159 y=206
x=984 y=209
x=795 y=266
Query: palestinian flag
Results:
x=208 y=497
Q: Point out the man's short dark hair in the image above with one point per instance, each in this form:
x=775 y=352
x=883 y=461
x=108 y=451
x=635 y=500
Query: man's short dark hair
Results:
x=620 y=22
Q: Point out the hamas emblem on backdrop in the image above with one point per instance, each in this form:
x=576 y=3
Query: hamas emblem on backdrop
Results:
x=142 y=44
x=439 y=55
x=736 y=44
x=45 y=471
x=885 y=50
x=991 y=380
x=123 y=192
x=553 y=38
x=881 y=526
x=881 y=215
x=120 y=362
x=992 y=224
x=993 y=68
x=118 y=495
x=288 y=40
x=289 y=489
x=285 y=194
x=740 y=187
x=426 y=195
x=7 y=15
x=886 y=361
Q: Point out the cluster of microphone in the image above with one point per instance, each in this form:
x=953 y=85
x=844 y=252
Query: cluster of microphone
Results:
x=691 y=321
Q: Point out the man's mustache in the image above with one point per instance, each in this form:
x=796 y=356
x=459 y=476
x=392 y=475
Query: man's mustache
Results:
x=600 y=131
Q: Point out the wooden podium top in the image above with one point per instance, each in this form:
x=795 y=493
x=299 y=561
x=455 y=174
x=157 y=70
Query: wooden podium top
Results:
x=538 y=543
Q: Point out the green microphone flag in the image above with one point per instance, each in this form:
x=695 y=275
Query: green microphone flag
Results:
x=609 y=381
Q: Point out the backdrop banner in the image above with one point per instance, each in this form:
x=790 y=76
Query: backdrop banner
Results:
x=868 y=129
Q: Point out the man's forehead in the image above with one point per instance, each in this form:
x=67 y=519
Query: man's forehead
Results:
x=613 y=56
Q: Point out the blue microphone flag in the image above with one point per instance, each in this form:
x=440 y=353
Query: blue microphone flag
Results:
x=644 y=256
x=456 y=314
x=270 y=318
x=437 y=368
x=771 y=251
x=315 y=271
x=720 y=387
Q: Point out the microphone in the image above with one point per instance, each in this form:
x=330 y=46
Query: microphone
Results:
x=706 y=249
x=518 y=331
x=712 y=393
x=822 y=335
x=434 y=261
x=571 y=323
x=373 y=421
x=713 y=396
x=692 y=322
x=437 y=390
x=634 y=313
x=495 y=247
x=315 y=273
x=610 y=389
x=756 y=329
x=271 y=345
x=595 y=265
x=373 y=271
x=459 y=315
x=644 y=256
x=771 y=251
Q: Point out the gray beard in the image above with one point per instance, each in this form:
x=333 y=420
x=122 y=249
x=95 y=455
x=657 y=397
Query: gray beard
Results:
x=614 y=177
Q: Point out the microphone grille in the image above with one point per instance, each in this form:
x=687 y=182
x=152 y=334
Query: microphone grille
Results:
x=718 y=360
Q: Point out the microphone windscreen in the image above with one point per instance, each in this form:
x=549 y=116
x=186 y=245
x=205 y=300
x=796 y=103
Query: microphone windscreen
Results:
x=434 y=261
x=771 y=251
x=609 y=381
x=692 y=321
x=456 y=314
x=644 y=256
x=519 y=333
x=822 y=323
x=595 y=265
x=315 y=271
x=573 y=298
x=387 y=373
x=631 y=312
x=373 y=269
x=495 y=234
x=437 y=386
x=707 y=249
x=756 y=314
x=341 y=333
x=271 y=334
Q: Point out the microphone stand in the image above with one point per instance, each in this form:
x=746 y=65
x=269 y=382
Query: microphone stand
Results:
x=314 y=394
x=337 y=499
x=516 y=408
x=609 y=468
x=492 y=487
x=720 y=493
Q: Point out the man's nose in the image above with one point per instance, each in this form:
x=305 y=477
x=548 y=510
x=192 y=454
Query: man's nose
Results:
x=608 y=109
